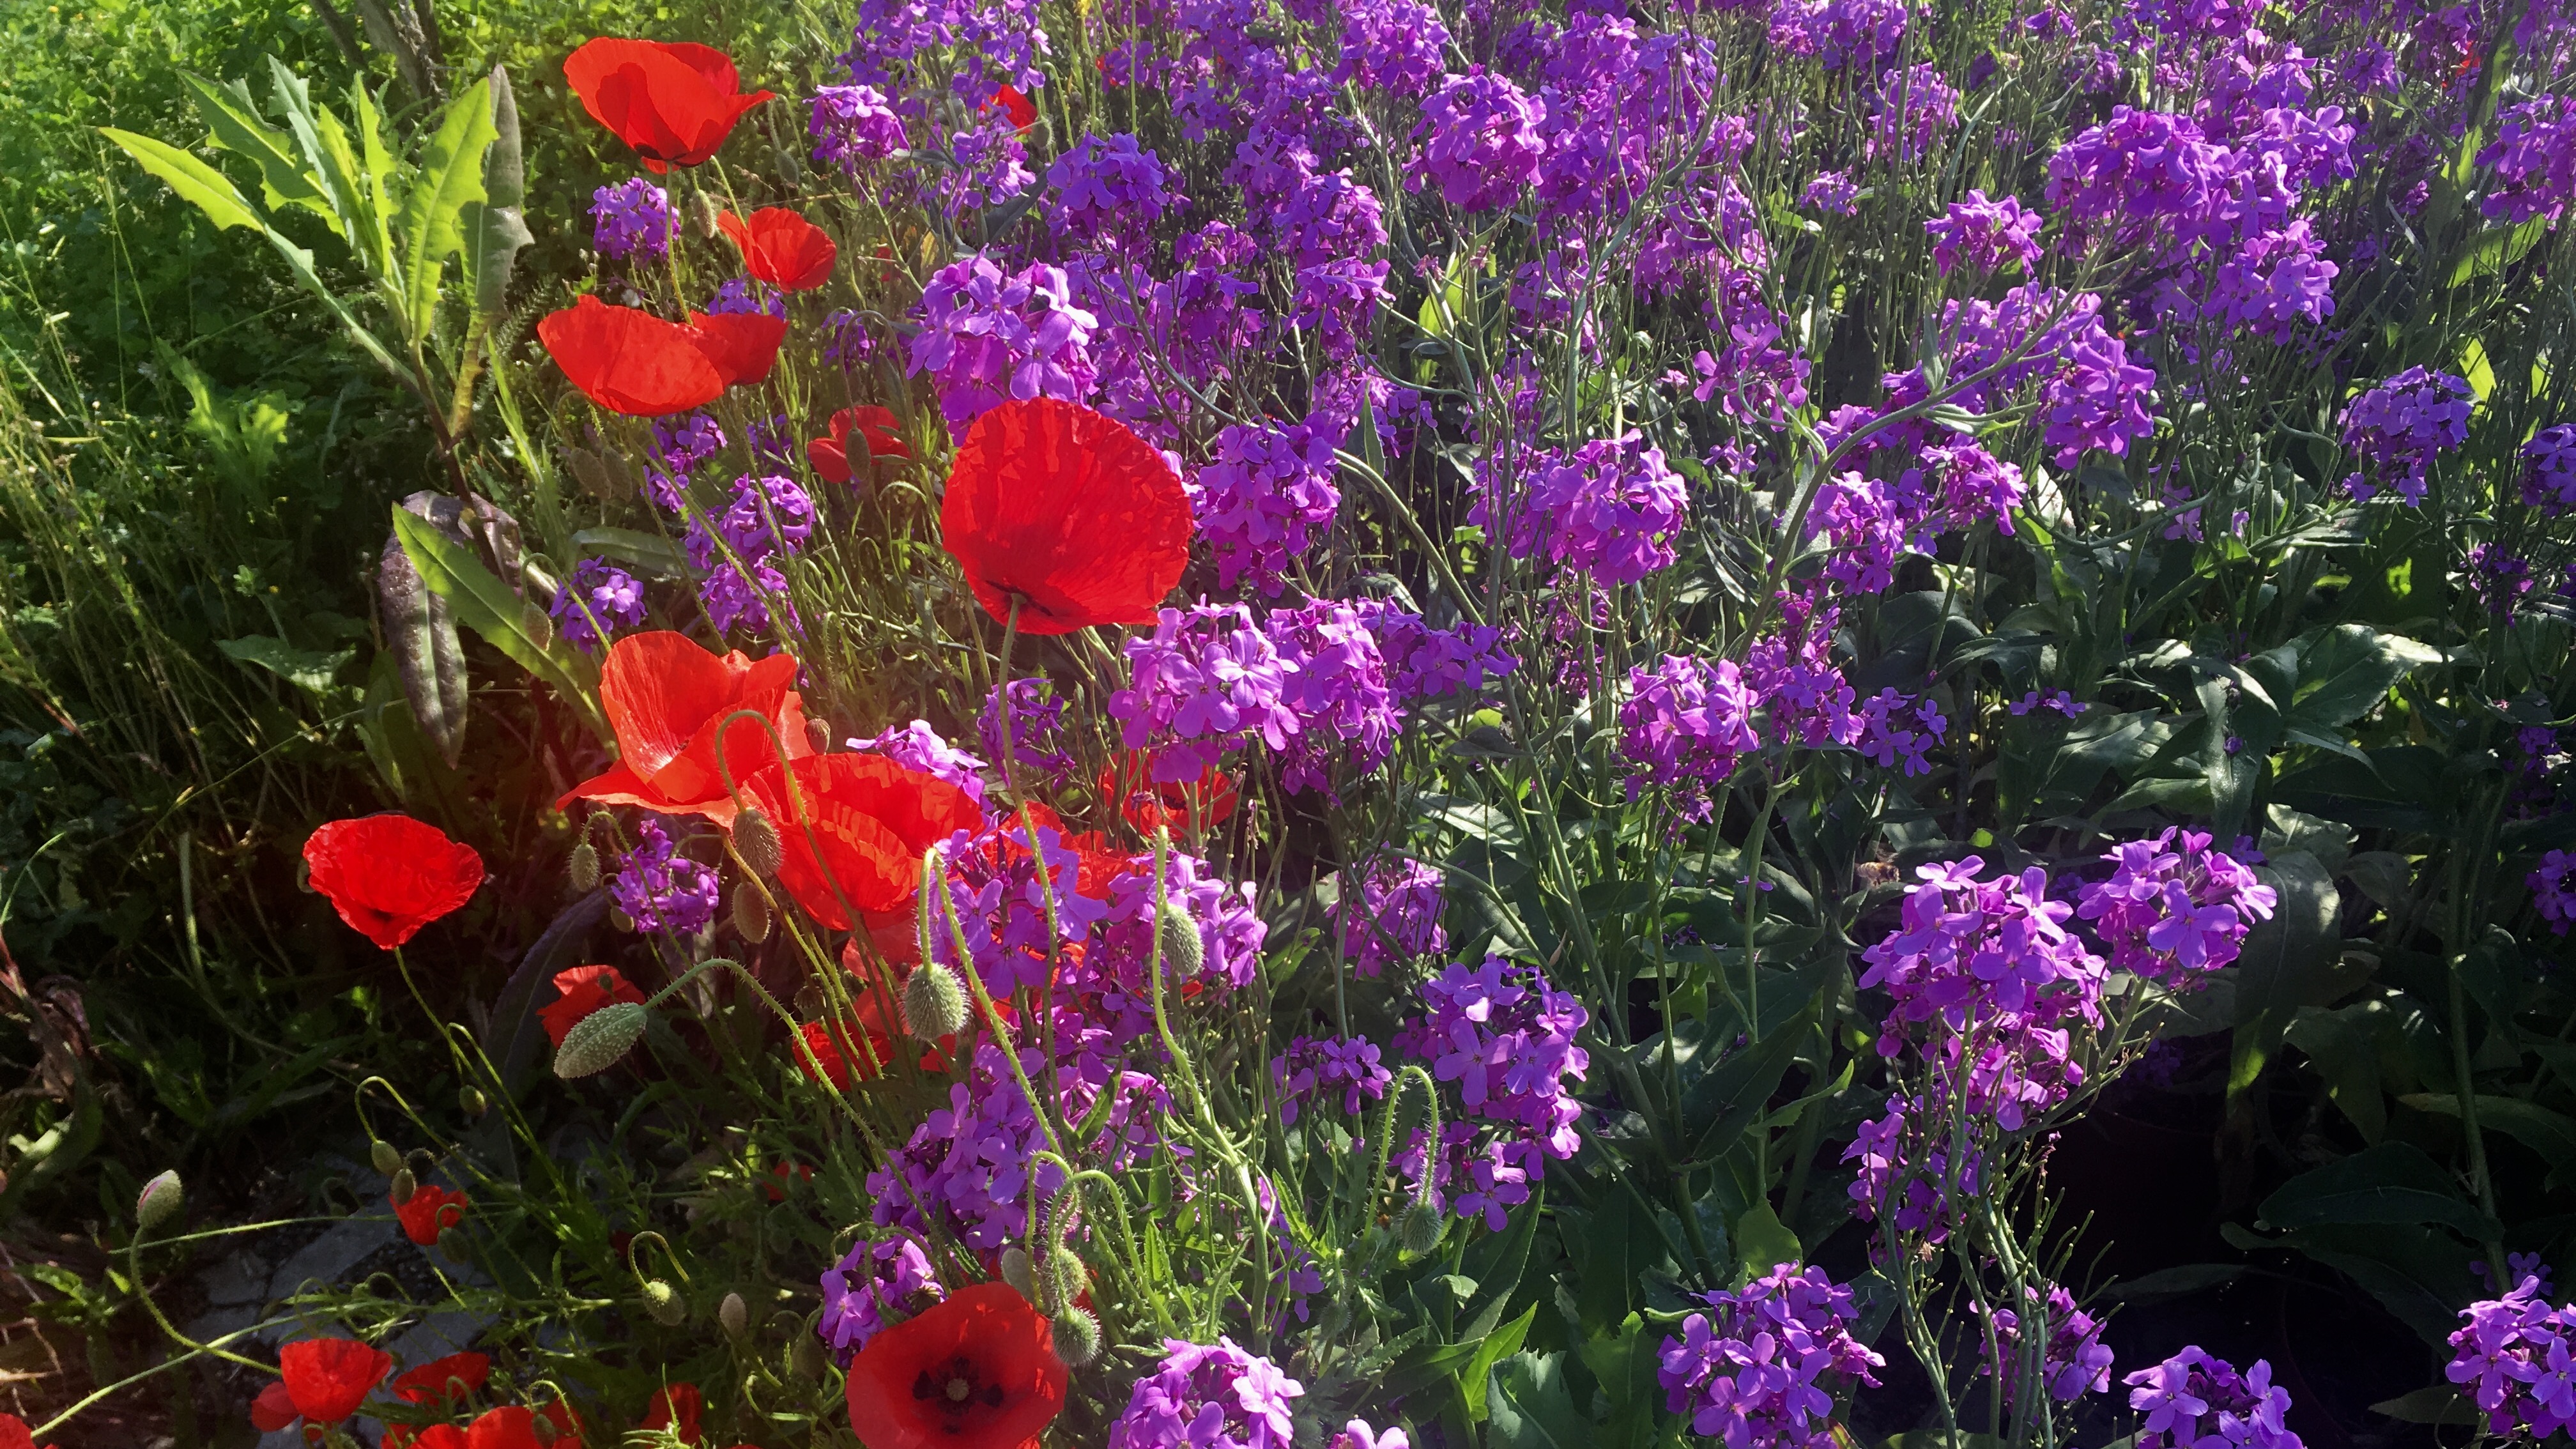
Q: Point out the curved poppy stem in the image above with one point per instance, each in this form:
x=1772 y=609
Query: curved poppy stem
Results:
x=1002 y=698
x=1411 y=1071
x=1154 y=977
x=992 y=1014
x=143 y=1290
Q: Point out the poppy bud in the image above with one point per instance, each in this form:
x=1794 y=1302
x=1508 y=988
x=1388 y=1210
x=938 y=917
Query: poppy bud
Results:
x=621 y=920
x=934 y=1005
x=584 y=868
x=1072 y=1279
x=734 y=1316
x=593 y=474
x=703 y=214
x=404 y=1184
x=809 y=1000
x=1183 y=952
x=756 y=841
x=537 y=624
x=304 y=876
x=819 y=735
x=664 y=1303
x=598 y=1040
x=1015 y=1271
x=1077 y=1337
x=805 y=1357
x=469 y=1099
x=159 y=1202
x=1421 y=1228
x=382 y=1154
x=750 y=912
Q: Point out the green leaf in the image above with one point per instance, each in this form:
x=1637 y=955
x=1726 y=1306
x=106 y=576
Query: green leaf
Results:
x=2434 y=1404
x=650 y=552
x=1530 y=1407
x=2551 y=1134
x=326 y=156
x=231 y=115
x=2393 y=1182
x=2287 y=962
x=2420 y=1274
x=2343 y=1050
x=1477 y=1377
x=2347 y=671
x=450 y=178
x=211 y=190
x=494 y=229
x=2175 y=1282
x=310 y=670
x=487 y=606
x=1625 y=1366
x=1763 y=1242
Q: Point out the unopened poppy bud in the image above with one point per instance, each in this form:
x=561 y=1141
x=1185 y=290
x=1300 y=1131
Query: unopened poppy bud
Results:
x=1072 y=1279
x=538 y=625
x=159 y=1202
x=469 y=1100
x=584 y=867
x=756 y=840
x=934 y=1005
x=704 y=214
x=819 y=734
x=664 y=1303
x=388 y=1161
x=750 y=912
x=1183 y=952
x=405 y=1185
x=598 y=1040
x=1016 y=1271
x=621 y=920
x=1077 y=1336
x=734 y=1315
x=304 y=875
x=805 y=1357
x=592 y=473
x=809 y=1000
x=1421 y=1229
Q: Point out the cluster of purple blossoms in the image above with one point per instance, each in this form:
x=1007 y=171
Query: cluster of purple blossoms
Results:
x=1203 y=1394
x=1116 y=970
x=1007 y=894
x=1758 y=379
x=1037 y=747
x=1266 y=491
x=1794 y=680
x=2553 y=890
x=1761 y=1366
x=1107 y=187
x=1424 y=662
x=1913 y=110
x=2534 y=157
x=2549 y=470
x=2192 y=1399
x=660 y=889
x=917 y=746
x=598 y=597
x=682 y=443
x=987 y=335
x=853 y=124
x=767 y=518
x=1608 y=508
x=1988 y=234
x=1391 y=45
x=2090 y=394
x=2267 y=286
x=2062 y=701
x=2497 y=578
x=1685 y=723
x=1207 y=681
x=1506 y=1037
x=1388 y=914
x=1832 y=191
x=2135 y=172
x=2513 y=1361
x=1856 y=35
x=1913 y=1144
x=1481 y=143
x=1336 y=687
x=848 y=339
x=2174 y=910
x=743 y=296
x=2395 y=429
x=1901 y=729
x=874 y=1287
x=631 y=220
x=1315 y=1067
x=2075 y=1362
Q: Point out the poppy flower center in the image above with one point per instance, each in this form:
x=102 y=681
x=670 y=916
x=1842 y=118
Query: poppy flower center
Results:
x=954 y=1390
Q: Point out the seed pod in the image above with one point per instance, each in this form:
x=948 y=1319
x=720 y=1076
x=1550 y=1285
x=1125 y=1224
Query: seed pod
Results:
x=1016 y=1270
x=1077 y=1337
x=621 y=920
x=583 y=867
x=809 y=1000
x=750 y=912
x=805 y=1357
x=159 y=1201
x=664 y=1303
x=756 y=840
x=387 y=1160
x=934 y=1005
x=593 y=473
x=1421 y=1229
x=734 y=1316
x=1184 y=953
x=469 y=1099
x=405 y=1185
x=598 y=1040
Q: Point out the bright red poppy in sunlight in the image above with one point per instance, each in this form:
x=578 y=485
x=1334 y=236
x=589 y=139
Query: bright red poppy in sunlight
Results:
x=780 y=247
x=976 y=1371
x=390 y=875
x=451 y=1377
x=581 y=991
x=1012 y=103
x=14 y=1433
x=874 y=425
x=328 y=1378
x=1080 y=518
x=436 y=1436
x=871 y=818
x=666 y=697
x=679 y=1405
x=674 y=103
x=741 y=346
x=1177 y=805
x=630 y=361
x=428 y=1212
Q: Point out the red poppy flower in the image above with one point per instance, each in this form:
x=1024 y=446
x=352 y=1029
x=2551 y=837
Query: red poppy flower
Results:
x=780 y=247
x=581 y=991
x=436 y=1436
x=872 y=819
x=390 y=875
x=665 y=697
x=1081 y=518
x=1176 y=805
x=507 y=1427
x=679 y=1404
x=788 y=1175
x=327 y=1378
x=741 y=346
x=674 y=104
x=630 y=361
x=274 y=1409
x=1010 y=102
x=565 y=1423
x=14 y=1433
x=976 y=1371
x=831 y=456
x=430 y=1211
x=451 y=1377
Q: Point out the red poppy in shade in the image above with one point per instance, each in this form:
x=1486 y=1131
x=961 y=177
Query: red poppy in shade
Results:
x=565 y=1423
x=679 y=1405
x=274 y=1409
x=581 y=991
x=741 y=346
x=976 y=1371
x=436 y=1436
x=507 y=1427
x=430 y=1211
x=1065 y=508
x=328 y=1378
x=1011 y=102
x=874 y=425
x=451 y=1377
x=390 y=875
x=14 y=1433
x=780 y=247
x=871 y=818
x=666 y=697
x=629 y=361
x=674 y=103
x=1178 y=805
x=788 y=1174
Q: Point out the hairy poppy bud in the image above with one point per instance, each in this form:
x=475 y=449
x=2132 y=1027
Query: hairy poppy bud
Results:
x=819 y=734
x=382 y=1154
x=1421 y=1229
x=593 y=474
x=1072 y=1279
x=734 y=1316
x=159 y=1202
x=809 y=1000
x=756 y=840
x=469 y=1099
x=805 y=1357
x=584 y=867
x=750 y=912
x=664 y=1303
x=704 y=215
x=934 y=1005
x=1183 y=952
x=598 y=1040
x=405 y=1185
x=1077 y=1336
x=537 y=624
x=1016 y=1271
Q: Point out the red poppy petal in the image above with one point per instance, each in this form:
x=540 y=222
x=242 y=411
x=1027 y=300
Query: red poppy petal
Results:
x=1006 y=1344
x=274 y=1409
x=390 y=875
x=328 y=1378
x=871 y=818
x=458 y=1373
x=658 y=689
x=674 y=103
x=629 y=361
x=438 y=1436
x=830 y=459
x=741 y=346
x=1066 y=508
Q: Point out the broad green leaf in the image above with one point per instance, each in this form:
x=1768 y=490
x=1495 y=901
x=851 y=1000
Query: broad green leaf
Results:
x=450 y=178
x=310 y=670
x=650 y=552
x=328 y=165
x=1530 y=1408
x=485 y=604
x=1625 y=1365
x=209 y=189
x=2434 y=1404
x=1503 y=1342
x=2551 y=1134
x=1763 y=1242
x=494 y=229
x=2420 y=1274
x=2174 y=1282
x=2343 y=1049
x=2393 y=1182
x=2347 y=670
x=233 y=117
x=2287 y=962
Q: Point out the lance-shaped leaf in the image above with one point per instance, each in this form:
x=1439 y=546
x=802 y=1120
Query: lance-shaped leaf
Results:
x=234 y=120
x=210 y=190
x=450 y=178
x=490 y=608
x=494 y=228
x=420 y=633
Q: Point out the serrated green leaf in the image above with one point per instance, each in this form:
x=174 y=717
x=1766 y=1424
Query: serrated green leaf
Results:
x=449 y=179
x=233 y=118
x=210 y=190
x=487 y=606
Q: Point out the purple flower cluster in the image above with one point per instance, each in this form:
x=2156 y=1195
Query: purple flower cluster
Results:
x=2395 y=430
x=1203 y=1395
x=631 y=220
x=1391 y=45
x=1901 y=729
x=874 y=1287
x=2549 y=470
x=2074 y=1361
x=1506 y=1037
x=1424 y=662
x=1761 y=1366
x=853 y=124
x=1685 y=723
x=2497 y=577
x=598 y=597
x=1336 y=687
x=1108 y=188
x=1854 y=35
x=2192 y=1399
x=2513 y=1361
x=767 y=518
x=1266 y=491
x=1315 y=1067
x=660 y=889
x=1608 y=508
x=2553 y=890
x=1989 y=234
x=1388 y=914
x=1832 y=191
x=1207 y=681
x=2534 y=159
x=917 y=746
x=987 y=335
x=2173 y=909
x=743 y=296
x=1481 y=144
x=1912 y=1149
x=1794 y=680
x=1036 y=745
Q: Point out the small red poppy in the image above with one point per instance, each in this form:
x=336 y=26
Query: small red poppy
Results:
x=436 y=1436
x=629 y=361
x=14 y=1433
x=1177 y=805
x=430 y=1211
x=1082 y=519
x=679 y=1405
x=507 y=1427
x=328 y=1378
x=451 y=1377
x=674 y=103
x=780 y=247
x=875 y=425
x=1011 y=102
x=788 y=1175
x=390 y=875
x=872 y=819
x=976 y=1371
x=741 y=346
x=581 y=991
x=665 y=697
x=274 y=1409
